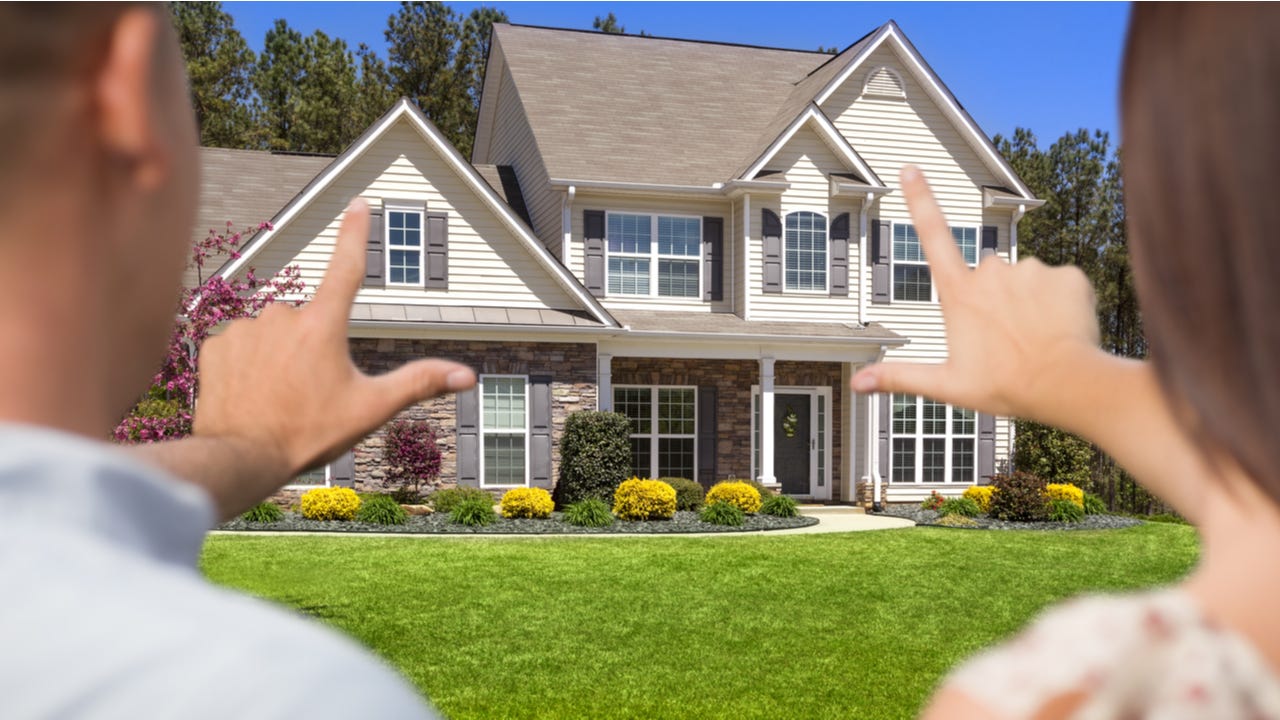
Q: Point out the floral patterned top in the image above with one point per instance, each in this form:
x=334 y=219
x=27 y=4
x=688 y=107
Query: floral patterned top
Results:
x=1139 y=657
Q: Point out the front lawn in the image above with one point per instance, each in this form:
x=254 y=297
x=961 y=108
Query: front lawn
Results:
x=855 y=625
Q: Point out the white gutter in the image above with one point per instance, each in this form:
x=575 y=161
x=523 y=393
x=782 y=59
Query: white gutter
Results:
x=766 y=339
x=716 y=190
x=566 y=227
x=873 y=441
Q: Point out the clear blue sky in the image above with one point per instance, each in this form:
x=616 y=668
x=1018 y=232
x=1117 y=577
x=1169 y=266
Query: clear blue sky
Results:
x=1052 y=67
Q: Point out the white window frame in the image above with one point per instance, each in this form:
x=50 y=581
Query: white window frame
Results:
x=653 y=256
x=933 y=289
x=504 y=431
x=826 y=290
x=388 y=247
x=919 y=436
x=328 y=481
x=653 y=435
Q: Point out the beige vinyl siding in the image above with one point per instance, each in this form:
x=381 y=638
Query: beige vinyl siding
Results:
x=512 y=143
x=806 y=162
x=658 y=206
x=741 y=222
x=889 y=133
x=488 y=264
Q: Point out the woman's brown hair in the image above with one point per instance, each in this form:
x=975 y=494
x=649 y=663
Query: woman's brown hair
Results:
x=1201 y=161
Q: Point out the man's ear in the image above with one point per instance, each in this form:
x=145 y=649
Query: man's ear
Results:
x=125 y=99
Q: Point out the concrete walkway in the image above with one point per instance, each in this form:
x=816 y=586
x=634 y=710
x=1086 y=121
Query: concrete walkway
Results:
x=831 y=519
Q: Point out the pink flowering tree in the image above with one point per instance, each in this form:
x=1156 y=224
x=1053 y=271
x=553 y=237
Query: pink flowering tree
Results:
x=411 y=455
x=165 y=412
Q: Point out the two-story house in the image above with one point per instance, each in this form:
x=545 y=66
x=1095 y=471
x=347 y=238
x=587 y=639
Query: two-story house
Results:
x=707 y=238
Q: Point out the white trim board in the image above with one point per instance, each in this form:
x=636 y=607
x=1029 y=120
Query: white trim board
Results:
x=837 y=142
x=406 y=110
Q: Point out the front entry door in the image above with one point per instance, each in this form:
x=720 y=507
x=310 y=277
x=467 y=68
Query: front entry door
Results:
x=791 y=443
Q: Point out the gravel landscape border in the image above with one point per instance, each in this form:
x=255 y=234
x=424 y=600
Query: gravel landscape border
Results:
x=929 y=518
x=439 y=524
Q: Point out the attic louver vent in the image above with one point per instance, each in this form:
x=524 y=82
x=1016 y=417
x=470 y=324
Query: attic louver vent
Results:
x=884 y=82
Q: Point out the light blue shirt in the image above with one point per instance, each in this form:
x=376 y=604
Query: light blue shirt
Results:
x=104 y=615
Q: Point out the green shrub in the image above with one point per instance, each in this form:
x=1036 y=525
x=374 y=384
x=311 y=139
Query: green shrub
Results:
x=760 y=488
x=1093 y=505
x=1019 y=496
x=527 y=503
x=406 y=496
x=959 y=506
x=689 y=494
x=263 y=512
x=779 y=506
x=981 y=494
x=1065 y=491
x=588 y=513
x=735 y=492
x=381 y=510
x=1065 y=511
x=474 y=512
x=723 y=513
x=956 y=521
x=444 y=501
x=595 y=456
x=637 y=499
x=1048 y=452
x=1165 y=518
x=933 y=502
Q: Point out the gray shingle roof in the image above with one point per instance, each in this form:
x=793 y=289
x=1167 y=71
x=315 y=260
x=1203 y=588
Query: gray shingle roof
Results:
x=702 y=323
x=384 y=312
x=632 y=99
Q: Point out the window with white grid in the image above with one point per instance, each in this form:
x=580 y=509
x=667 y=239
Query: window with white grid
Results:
x=404 y=247
x=912 y=280
x=504 y=427
x=931 y=441
x=663 y=429
x=653 y=255
x=805 y=254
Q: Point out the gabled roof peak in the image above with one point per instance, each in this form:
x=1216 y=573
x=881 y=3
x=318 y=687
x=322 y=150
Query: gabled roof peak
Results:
x=634 y=36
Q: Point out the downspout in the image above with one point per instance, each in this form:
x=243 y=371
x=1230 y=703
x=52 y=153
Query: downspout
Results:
x=1013 y=258
x=862 y=257
x=873 y=442
x=566 y=227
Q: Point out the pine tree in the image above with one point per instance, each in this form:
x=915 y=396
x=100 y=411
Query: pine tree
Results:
x=219 y=64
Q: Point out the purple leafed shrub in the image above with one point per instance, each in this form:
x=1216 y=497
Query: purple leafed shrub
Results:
x=201 y=310
x=411 y=454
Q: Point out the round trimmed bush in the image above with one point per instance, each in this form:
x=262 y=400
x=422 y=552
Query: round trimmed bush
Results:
x=722 y=513
x=1019 y=496
x=981 y=494
x=637 y=499
x=779 y=506
x=1065 y=511
x=527 y=503
x=474 y=512
x=444 y=501
x=1065 y=491
x=331 y=503
x=959 y=506
x=263 y=512
x=588 y=513
x=381 y=510
x=689 y=494
x=740 y=494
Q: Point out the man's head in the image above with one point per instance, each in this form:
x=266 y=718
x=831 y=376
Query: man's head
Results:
x=100 y=180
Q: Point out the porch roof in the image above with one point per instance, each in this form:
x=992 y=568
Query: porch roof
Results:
x=723 y=325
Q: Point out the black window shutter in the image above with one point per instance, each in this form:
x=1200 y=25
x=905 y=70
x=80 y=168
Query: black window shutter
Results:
x=437 y=275
x=707 y=435
x=342 y=472
x=881 y=242
x=771 y=231
x=990 y=240
x=986 y=446
x=593 y=258
x=838 y=255
x=712 y=259
x=540 y=431
x=468 y=418
x=375 y=261
x=886 y=424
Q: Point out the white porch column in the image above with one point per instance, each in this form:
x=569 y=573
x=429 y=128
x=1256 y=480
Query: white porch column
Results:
x=873 y=447
x=604 y=382
x=766 y=422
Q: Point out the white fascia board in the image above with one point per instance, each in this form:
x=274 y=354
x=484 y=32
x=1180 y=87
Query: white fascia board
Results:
x=648 y=345
x=990 y=199
x=841 y=187
x=637 y=188
x=813 y=114
x=923 y=73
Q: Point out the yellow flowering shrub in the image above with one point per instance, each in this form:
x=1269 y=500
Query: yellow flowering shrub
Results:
x=739 y=494
x=331 y=503
x=637 y=499
x=1065 y=491
x=527 y=503
x=981 y=494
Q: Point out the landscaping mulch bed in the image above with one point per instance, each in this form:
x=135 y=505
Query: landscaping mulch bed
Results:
x=1090 y=522
x=683 y=522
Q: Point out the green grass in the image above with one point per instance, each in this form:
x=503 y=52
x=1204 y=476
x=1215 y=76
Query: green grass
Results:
x=844 y=625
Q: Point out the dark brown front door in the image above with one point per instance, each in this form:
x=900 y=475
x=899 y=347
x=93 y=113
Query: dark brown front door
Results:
x=791 y=443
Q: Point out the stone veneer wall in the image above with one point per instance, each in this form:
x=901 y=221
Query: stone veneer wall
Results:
x=572 y=367
x=733 y=380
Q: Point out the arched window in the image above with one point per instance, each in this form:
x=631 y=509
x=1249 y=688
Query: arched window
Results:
x=805 y=253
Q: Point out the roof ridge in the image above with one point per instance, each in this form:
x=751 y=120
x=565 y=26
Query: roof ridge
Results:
x=836 y=56
x=672 y=39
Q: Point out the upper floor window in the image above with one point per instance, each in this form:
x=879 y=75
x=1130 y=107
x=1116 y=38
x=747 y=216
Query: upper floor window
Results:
x=654 y=255
x=932 y=442
x=805 y=252
x=912 y=280
x=404 y=247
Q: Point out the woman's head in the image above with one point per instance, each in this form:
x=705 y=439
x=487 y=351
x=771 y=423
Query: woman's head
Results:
x=1201 y=158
